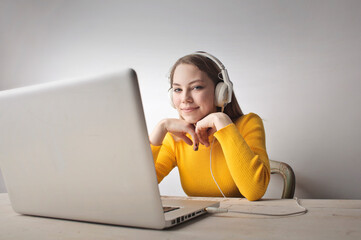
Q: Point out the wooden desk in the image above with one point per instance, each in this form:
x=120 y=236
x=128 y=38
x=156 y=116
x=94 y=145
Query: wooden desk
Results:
x=326 y=219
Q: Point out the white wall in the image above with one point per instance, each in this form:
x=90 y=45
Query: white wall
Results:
x=295 y=63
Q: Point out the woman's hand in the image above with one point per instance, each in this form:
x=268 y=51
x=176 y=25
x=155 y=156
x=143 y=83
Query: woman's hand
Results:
x=209 y=125
x=176 y=127
x=199 y=133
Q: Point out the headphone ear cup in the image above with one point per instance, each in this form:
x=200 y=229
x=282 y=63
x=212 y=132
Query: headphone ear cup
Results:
x=220 y=94
x=170 y=93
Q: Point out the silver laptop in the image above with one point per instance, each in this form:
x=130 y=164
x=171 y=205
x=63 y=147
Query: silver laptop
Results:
x=79 y=149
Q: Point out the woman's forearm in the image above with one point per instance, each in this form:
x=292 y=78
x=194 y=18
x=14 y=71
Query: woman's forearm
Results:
x=158 y=134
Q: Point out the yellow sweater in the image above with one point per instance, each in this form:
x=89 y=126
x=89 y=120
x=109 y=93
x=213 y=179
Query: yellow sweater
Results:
x=239 y=161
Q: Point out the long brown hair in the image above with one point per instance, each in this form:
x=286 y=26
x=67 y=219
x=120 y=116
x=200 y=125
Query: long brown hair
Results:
x=232 y=109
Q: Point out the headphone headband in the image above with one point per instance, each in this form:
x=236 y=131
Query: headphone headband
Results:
x=224 y=72
x=213 y=58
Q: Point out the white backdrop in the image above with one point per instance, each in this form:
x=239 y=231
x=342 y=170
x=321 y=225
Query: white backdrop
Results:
x=295 y=63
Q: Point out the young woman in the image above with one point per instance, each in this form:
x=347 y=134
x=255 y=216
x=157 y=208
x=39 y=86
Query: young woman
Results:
x=217 y=152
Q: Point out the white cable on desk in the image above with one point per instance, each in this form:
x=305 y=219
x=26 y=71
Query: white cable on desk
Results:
x=225 y=210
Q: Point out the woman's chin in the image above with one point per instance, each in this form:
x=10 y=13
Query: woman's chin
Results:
x=191 y=120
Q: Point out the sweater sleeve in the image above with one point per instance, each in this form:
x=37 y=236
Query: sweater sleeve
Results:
x=244 y=148
x=164 y=157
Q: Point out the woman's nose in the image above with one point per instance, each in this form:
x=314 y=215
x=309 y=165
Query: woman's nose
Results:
x=187 y=97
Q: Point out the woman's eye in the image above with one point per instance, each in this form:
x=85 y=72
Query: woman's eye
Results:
x=177 y=89
x=198 y=87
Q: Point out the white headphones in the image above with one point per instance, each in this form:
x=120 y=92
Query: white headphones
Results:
x=223 y=90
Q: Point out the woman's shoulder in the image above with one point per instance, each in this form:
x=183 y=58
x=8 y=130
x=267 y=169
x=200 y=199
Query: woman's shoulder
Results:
x=248 y=117
x=248 y=120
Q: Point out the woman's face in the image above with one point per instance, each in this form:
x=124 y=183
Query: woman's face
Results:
x=193 y=93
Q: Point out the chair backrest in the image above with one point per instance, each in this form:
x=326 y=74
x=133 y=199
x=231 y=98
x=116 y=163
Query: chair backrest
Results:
x=289 y=179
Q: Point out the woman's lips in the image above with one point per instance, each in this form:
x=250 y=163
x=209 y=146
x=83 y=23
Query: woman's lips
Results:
x=189 y=109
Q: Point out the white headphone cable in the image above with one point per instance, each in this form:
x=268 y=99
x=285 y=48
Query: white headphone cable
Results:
x=225 y=210
x=210 y=162
x=210 y=165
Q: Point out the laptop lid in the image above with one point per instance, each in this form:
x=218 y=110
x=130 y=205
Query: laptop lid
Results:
x=79 y=149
